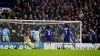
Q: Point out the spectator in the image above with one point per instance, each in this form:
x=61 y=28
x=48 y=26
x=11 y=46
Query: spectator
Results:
x=86 y=11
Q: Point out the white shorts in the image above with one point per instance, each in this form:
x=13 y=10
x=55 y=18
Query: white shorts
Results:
x=36 y=38
x=6 y=38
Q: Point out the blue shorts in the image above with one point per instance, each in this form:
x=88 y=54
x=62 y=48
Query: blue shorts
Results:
x=66 y=39
x=48 y=39
x=93 y=40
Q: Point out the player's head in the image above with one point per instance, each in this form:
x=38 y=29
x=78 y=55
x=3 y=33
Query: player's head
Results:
x=25 y=34
x=47 y=27
x=4 y=25
x=66 y=25
x=36 y=28
x=90 y=29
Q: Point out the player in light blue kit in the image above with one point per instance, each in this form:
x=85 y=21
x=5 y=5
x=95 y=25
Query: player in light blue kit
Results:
x=36 y=36
x=5 y=33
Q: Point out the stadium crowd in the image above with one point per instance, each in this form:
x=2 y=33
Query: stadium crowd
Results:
x=87 y=11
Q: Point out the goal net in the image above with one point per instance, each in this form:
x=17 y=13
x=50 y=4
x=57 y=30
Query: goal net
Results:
x=17 y=27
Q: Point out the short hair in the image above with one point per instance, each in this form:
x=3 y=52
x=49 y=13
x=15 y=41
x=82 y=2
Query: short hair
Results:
x=37 y=28
x=47 y=27
x=4 y=24
x=90 y=28
x=25 y=33
x=66 y=25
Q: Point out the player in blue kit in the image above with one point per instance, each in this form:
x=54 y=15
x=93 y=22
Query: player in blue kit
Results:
x=67 y=34
x=48 y=35
x=93 y=36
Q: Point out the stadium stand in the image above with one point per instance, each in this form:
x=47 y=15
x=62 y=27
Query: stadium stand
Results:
x=87 y=11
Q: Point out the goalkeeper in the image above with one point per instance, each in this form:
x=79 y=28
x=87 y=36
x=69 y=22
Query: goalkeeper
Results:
x=28 y=42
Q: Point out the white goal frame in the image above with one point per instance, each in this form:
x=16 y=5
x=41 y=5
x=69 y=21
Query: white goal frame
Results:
x=42 y=22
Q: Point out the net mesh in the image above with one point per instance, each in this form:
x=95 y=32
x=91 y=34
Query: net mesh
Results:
x=57 y=27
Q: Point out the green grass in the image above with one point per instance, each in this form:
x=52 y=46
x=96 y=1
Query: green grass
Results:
x=49 y=53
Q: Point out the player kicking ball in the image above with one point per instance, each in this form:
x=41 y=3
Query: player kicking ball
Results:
x=28 y=42
x=36 y=36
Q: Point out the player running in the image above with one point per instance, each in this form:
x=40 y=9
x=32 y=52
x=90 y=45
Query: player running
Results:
x=28 y=42
x=93 y=37
x=48 y=35
x=36 y=35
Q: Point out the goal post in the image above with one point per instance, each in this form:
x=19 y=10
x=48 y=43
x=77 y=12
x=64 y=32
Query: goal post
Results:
x=57 y=26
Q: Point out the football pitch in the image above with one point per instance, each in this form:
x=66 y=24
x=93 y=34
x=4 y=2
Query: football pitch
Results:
x=16 y=52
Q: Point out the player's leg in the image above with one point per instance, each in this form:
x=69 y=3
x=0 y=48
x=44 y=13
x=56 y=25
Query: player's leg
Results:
x=48 y=40
x=7 y=39
x=37 y=41
x=63 y=45
x=24 y=43
x=3 y=39
x=94 y=43
x=72 y=41
x=30 y=44
x=0 y=36
x=0 y=39
x=65 y=40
